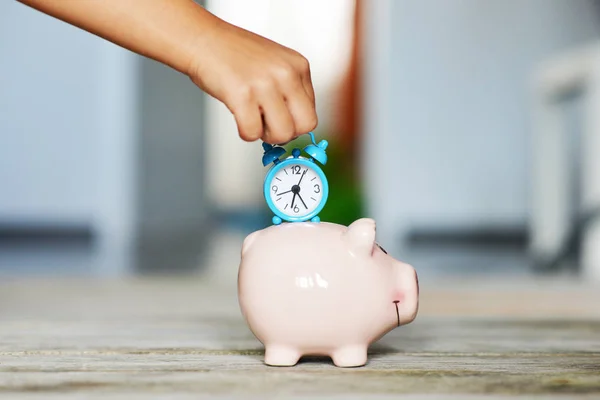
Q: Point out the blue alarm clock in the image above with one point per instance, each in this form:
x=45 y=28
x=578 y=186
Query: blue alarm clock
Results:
x=296 y=188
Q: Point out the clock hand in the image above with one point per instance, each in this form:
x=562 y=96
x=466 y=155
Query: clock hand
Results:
x=293 y=198
x=300 y=197
x=302 y=176
x=279 y=194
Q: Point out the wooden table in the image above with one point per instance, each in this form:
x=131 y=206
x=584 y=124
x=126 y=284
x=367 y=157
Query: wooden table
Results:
x=185 y=338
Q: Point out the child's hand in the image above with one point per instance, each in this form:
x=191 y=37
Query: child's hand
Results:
x=266 y=86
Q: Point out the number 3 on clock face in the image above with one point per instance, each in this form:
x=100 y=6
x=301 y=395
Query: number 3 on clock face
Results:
x=296 y=189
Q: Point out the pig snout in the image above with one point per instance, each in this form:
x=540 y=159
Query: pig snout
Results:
x=406 y=293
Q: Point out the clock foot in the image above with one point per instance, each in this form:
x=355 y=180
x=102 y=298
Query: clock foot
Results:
x=315 y=219
x=276 y=220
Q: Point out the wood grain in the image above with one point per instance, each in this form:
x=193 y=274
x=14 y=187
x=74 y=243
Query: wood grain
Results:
x=181 y=338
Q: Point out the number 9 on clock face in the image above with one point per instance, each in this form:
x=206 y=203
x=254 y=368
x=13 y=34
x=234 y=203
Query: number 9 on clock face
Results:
x=297 y=189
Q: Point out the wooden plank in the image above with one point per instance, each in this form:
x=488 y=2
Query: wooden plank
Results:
x=186 y=337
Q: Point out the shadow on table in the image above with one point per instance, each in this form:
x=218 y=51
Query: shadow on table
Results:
x=375 y=350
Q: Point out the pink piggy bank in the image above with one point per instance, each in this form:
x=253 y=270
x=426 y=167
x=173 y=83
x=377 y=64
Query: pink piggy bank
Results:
x=322 y=289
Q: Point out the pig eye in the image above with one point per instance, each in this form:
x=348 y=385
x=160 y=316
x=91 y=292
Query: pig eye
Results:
x=382 y=249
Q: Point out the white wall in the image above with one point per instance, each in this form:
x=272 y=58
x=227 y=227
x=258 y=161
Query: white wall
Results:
x=449 y=122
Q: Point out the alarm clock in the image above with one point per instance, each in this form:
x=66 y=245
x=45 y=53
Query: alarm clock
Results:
x=296 y=188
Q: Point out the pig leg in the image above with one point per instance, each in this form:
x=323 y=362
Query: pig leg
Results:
x=350 y=356
x=281 y=356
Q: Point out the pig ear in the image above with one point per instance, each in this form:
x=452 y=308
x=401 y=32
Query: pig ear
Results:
x=361 y=236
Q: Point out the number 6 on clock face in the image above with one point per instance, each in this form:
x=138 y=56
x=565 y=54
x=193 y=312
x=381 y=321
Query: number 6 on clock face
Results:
x=296 y=189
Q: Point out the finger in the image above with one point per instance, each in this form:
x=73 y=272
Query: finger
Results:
x=279 y=126
x=248 y=118
x=301 y=108
x=307 y=79
x=308 y=88
x=249 y=122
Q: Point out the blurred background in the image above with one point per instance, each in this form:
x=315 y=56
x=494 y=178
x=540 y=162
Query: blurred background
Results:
x=468 y=129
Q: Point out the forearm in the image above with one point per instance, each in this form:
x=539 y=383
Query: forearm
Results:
x=168 y=31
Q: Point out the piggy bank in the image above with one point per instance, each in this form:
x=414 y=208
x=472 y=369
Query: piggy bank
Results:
x=322 y=289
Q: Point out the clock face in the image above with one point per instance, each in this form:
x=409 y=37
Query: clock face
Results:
x=296 y=190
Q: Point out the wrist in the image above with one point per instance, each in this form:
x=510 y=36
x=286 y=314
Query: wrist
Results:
x=197 y=49
x=184 y=29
